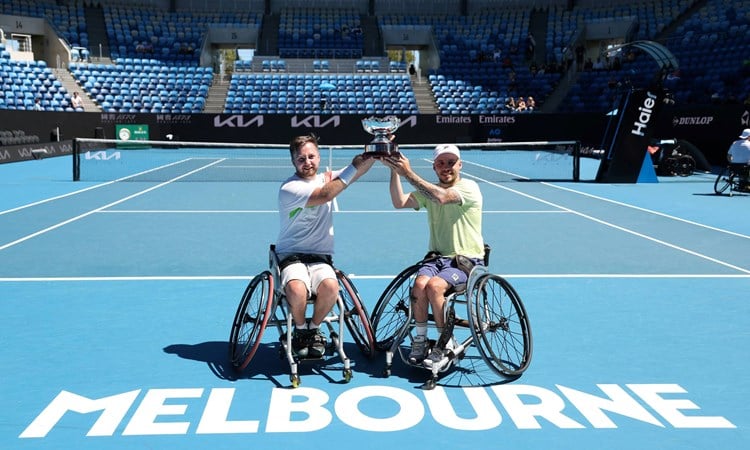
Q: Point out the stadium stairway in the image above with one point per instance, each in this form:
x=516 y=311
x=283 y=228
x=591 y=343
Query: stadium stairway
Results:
x=97 y=30
x=216 y=97
x=70 y=85
x=423 y=94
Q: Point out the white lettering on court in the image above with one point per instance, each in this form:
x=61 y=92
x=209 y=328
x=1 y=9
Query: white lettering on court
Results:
x=168 y=412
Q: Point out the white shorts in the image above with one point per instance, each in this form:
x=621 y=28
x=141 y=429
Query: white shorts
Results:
x=312 y=275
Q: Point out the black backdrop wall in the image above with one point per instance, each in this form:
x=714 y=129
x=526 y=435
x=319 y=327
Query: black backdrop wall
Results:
x=711 y=129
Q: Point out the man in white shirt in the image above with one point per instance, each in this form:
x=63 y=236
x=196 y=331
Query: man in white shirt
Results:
x=739 y=156
x=305 y=242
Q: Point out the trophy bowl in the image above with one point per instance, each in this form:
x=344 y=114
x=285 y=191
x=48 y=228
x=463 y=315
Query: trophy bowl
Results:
x=381 y=128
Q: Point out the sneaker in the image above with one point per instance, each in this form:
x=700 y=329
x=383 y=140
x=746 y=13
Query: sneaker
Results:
x=300 y=342
x=437 y=354
x=418 y=349
x=317 y=344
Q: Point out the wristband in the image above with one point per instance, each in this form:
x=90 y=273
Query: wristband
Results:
x=348 y=174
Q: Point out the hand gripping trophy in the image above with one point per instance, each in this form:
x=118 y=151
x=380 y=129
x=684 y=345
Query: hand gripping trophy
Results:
x=382 y=128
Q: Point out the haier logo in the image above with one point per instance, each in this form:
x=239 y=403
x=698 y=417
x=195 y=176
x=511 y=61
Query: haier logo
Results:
x=102 y=155
x=315 y=122
x=645 y=116
x=237 y=121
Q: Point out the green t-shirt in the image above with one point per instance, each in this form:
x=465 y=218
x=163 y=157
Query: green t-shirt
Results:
x=456 y=228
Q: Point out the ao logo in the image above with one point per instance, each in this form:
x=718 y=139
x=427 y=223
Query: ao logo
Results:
x=124 y=134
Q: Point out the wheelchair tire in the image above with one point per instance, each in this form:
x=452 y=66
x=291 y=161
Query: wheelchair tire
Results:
x=685 y=166
x=355 y=315
x=392 y=309
x=725 y=179
x=499 y=324
x=250 y=320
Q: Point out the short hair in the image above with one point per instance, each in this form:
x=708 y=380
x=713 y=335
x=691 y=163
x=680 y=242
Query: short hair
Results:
x=299 y=141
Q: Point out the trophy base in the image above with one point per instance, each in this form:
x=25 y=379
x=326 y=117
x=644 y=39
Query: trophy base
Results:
x=381 y=149
x=382 y=154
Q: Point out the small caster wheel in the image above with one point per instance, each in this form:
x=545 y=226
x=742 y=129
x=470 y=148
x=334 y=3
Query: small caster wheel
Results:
x=347 y=375
x=386 y=372
x=295 y=380
x=429 y=384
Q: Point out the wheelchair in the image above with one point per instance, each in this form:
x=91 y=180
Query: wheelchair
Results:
x=263 y=305
x=495 y=321
x=734 y=177
x=677 y=164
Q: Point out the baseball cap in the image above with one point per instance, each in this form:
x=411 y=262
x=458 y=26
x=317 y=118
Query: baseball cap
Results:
x=745 y=133
x=447 y=148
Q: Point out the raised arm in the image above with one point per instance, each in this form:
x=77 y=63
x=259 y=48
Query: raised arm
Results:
x=401 y=166
x=335 y=186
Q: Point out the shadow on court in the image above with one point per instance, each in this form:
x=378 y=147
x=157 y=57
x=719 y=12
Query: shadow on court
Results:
x=269 y=364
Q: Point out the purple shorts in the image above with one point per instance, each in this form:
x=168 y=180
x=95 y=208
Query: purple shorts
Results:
x=446 y=269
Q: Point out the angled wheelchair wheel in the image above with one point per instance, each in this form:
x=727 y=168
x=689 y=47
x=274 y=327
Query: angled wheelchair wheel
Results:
x=355 y=315
x=724 y=180
x=251 y=319
x=685 y=166
x=392 y=309
x=499 y=324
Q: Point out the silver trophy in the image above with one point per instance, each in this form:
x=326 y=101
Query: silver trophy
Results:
x=382 y=145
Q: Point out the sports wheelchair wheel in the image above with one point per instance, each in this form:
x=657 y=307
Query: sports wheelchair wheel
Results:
x=499 y=324
x=392 y=309
x=725 y=180
x=355 y=315
x=251 y=319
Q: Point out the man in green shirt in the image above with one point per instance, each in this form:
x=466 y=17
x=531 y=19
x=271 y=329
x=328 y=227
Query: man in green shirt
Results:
x=454 y=211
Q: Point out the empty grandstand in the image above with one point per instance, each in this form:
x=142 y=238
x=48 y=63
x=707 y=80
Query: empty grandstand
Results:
x=366 y=57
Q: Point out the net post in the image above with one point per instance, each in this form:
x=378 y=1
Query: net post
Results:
x=577 y=161
x=76 y=159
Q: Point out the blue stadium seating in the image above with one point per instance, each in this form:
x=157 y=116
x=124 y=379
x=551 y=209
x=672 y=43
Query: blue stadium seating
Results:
x=145 y=85
x=305 y=94
x=709 y=38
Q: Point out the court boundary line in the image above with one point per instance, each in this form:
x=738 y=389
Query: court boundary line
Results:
x=96 y=186
x=268 y=211
x=650 y=211
x=612 y=225
x=93 y=211
x=374 y=277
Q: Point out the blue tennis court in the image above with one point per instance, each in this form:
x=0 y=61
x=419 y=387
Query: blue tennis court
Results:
x=117 y=299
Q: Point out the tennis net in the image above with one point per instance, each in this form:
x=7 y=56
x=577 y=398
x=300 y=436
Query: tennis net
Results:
x=159 y=161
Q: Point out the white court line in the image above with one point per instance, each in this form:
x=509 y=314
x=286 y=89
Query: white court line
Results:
x=378 y=277
x=627 y=205
x=269 y=211
x=109 y=205
x=107 y=183
x=617 y=227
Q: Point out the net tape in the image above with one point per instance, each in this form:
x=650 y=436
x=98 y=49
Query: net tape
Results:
x=158 y=161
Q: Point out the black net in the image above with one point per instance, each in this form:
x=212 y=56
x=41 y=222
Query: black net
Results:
x=159 y=161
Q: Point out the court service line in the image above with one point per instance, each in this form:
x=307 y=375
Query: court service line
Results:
x=109 y=205
x=80 y=191
x=618 y=227
x=628 y=205
x=376 y=277
x=272 y=211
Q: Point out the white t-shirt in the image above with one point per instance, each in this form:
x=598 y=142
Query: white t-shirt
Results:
x=304 y=229
x=739 y=151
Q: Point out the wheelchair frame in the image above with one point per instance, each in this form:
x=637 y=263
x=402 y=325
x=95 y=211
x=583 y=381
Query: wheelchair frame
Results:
x=729 y=178
x=496 y=318
x=263 y=304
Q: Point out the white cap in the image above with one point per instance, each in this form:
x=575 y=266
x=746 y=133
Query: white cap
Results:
x=745 y=133
x=445 y=148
